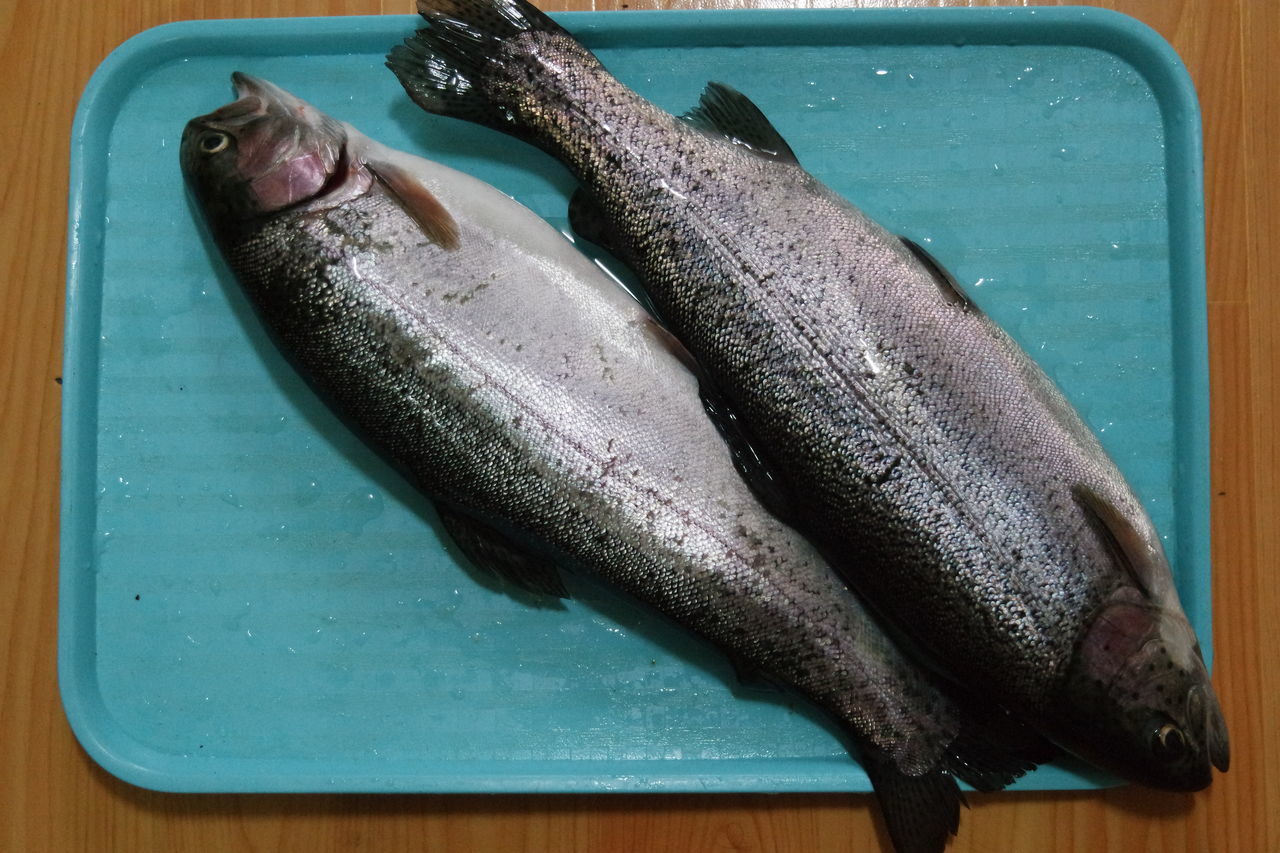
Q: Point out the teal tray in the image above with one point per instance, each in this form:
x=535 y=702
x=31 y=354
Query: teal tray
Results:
x=252 y=601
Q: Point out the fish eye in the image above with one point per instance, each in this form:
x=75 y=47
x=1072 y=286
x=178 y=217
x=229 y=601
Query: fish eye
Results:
x=214 y=141
x=1169 y=743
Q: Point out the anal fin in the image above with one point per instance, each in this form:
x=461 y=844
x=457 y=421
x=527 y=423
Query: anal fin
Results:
x=495 y=552
x=750 y=675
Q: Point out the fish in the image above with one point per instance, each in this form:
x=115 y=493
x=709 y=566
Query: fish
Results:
x=877 y=408
x=553 y=424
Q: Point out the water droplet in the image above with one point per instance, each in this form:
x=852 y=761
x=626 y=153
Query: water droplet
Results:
x=235 y=622
x=308 y=494
x=360 y=508
x=1055 y=105
x=274 y=425
x=104 y=540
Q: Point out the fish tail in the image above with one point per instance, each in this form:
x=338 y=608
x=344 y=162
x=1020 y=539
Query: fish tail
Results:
x=476 y=59
x=920 y=812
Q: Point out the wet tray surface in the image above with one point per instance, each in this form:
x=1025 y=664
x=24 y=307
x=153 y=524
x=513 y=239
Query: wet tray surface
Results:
x=251 y=601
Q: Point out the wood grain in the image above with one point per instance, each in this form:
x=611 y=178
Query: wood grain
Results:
x=55 y=799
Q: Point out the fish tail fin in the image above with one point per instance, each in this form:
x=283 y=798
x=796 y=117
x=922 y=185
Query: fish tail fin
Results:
x=920 y=812
x=472 y=61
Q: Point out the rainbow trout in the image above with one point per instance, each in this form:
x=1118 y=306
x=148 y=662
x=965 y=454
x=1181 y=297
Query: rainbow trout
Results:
x=552 y=422
x=932 y=461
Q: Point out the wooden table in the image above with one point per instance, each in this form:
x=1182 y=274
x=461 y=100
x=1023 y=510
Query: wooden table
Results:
x=55 y=798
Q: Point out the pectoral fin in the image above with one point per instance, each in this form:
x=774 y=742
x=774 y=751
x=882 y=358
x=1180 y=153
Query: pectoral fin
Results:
x=1132 y=553
x=418 y=201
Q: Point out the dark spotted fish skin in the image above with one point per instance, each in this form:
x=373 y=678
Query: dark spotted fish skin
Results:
x=898 y=427
x=546 y=414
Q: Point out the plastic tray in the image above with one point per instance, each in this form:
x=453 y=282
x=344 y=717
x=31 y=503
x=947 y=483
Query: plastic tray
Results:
x=251 y=601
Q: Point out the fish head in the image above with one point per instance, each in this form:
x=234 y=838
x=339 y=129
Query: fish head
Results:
x=263 y=152
x=1138 y=701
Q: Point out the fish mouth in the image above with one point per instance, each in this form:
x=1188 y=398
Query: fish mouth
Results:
x=255 y=98
x=247 y=86
x=281 y=153
x=290 y=153
x=1202 y=705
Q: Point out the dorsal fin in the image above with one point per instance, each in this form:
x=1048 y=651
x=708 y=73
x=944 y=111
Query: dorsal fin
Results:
x=1131 y=551
x=947 y=284
x=418 y=201
x=730 y=113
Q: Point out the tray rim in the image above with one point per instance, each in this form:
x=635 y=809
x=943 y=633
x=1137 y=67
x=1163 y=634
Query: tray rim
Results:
x=132 y=761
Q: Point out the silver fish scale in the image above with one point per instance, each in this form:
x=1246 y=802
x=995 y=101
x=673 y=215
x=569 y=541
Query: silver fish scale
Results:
x=911 y=449
x=485 y=386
